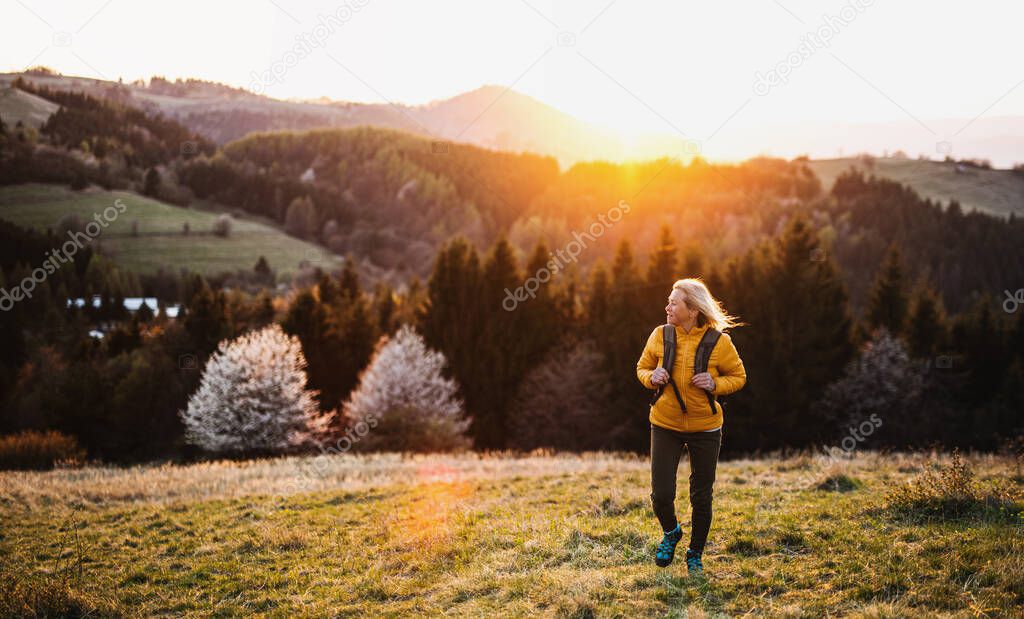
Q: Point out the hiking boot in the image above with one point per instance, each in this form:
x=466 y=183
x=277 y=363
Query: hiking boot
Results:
x=693 y=562
x=667 y=548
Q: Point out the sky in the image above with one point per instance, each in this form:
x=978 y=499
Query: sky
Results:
x=706 y=70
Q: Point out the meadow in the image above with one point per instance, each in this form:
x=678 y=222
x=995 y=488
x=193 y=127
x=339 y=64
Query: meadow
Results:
x=996 y=192
x=538 y=534
x=160 y=241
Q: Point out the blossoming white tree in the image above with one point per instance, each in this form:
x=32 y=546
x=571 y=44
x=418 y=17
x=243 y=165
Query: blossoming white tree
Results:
x=253 y=397
x=405 y=399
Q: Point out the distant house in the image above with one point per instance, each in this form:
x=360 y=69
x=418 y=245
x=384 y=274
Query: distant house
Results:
x=308 y=176
x=132 y=304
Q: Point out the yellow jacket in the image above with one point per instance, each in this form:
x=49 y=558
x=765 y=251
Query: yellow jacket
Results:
x=725 y=366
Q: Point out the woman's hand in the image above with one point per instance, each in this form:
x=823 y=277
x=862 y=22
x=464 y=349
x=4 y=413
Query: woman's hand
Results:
x=659 y=376
x=703 y=380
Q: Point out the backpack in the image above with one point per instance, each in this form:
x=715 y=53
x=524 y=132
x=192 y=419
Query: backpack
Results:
x=700 y=362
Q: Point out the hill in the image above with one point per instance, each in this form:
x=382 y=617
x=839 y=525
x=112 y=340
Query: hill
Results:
x=997 y=192
x=160 y=241
x=19 y=106
x=476 y=535
x=490 y=116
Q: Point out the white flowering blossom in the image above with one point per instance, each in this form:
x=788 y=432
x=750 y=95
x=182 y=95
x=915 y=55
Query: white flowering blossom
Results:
x=253 y=396
x=405 y=399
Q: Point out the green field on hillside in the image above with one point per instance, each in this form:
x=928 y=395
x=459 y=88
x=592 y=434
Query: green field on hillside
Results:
x=492 y=535
x=17 y=105
x=160 y=241
x=998 y=192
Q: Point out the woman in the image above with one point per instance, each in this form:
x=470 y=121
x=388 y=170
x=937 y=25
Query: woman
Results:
x=683 y=413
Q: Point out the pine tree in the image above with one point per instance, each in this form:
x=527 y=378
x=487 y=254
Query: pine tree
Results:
x=253 y=398
x=451 y=316
x=623 y=341
x=541 y=321
x=384 y=306
x=207 y=320
x=405 y=401
x=501 y=356
x=661 y=274
x=981 y=338
x=337 y=335
x=307 y=320
x=802 y=341
x=353 y=331
x=693 y=260
x=349 y=282
x=926 y=326
x=262 y=271
x=888 y=305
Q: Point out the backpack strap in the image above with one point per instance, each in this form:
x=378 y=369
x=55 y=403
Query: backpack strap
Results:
x=668 y=357
x=703 y=357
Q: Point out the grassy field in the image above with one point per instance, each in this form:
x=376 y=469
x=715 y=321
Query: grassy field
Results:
x=479 y=535
x=160 y=242
x=18 y=105
x=998 y=192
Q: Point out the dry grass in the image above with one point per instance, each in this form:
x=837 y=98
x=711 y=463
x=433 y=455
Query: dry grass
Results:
x=39 y=451
x=479 y=535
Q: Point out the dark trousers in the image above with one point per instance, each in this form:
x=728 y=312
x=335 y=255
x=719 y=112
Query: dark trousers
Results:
x=666 y=449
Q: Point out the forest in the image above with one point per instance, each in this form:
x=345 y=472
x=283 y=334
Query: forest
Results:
x=858 y=298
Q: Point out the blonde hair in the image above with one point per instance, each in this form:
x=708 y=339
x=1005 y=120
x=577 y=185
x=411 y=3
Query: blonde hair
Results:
x=710 y=311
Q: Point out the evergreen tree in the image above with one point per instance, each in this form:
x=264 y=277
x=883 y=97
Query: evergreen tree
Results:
x=349 y=281
x=888 y=304
x=307 y=320
x=926 y=326
x=384 y=307
x=207 y=320
x=623 y=340
x=263 y=272
x=451 y=318
x=541 y=320
x=661 y=274
x=798 y=336
x=981 y=338
x=501 y=355
x=693 y=260
x=353 y=330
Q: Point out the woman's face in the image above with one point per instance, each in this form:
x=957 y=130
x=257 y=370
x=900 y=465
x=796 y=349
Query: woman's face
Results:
x=676 y=311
